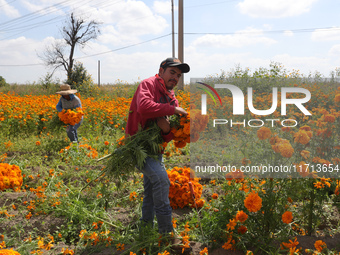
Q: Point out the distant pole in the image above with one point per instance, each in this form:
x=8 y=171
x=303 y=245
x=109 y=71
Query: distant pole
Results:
x=98 y=73
x=180 y=41
x=173 y=28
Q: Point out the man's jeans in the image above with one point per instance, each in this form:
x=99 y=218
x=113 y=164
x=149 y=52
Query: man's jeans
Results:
x=72 y=131
x=156 y=195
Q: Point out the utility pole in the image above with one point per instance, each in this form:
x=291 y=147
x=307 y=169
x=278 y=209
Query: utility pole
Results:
x=173 y=28
x=180 y=41
x=98 y=73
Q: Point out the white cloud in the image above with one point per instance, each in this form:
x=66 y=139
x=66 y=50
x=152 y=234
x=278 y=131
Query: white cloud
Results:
x=335 y=50
x=137 y=18
x=288 y=33
x=129 y=18
x=8 y=10
x=110 y=35
x=275 y=8
x=239 y=39
x=162 y=7
x=327 y=34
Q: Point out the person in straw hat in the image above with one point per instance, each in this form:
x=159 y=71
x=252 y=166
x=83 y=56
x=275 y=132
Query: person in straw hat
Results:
x=69 y=101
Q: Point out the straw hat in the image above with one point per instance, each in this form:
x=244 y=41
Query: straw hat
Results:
x=65 y=89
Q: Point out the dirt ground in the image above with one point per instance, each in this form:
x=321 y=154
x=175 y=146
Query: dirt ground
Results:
x=50 y=223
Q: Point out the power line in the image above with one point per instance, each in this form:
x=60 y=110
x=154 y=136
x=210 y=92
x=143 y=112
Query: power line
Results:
x=22 y=24
x=39 y=64
x=7 y=3
x=302 y=30
x=100 y=53
x=125 y=47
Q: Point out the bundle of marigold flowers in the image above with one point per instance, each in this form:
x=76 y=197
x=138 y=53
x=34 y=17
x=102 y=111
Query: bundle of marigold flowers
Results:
x=179 y=193
x=10 y=177
x=71 y=117
x=9 y=252
x=186 y=129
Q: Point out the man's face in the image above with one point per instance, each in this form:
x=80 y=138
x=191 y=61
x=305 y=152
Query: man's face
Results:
x=170 y=76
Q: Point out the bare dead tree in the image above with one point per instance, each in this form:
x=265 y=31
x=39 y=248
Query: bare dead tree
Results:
x=76 y=32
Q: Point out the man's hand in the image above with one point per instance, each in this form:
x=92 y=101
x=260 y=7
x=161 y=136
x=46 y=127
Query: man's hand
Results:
x=180 y=110
x=164 y=124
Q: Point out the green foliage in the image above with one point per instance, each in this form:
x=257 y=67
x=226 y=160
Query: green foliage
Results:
x=49 y=84
x=81 y=80
x=133 y=151
x=3 y=82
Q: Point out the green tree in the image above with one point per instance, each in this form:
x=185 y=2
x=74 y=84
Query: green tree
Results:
x=80 y=79
x=3 y=82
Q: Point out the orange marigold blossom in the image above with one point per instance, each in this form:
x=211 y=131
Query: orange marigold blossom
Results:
x=214 y=196
x=264 y=133
x=337 y=98
x=320 y=245
x=283 y=147
x=179 y=193
x=290 y=244
x=241 y=216
x=204 y=251
x=253 y=202
x=193 y=121
x=10 y=177
x=71 y=117
x=287 y=217
x=242 y=230
x=301 y=137
x=8 y=252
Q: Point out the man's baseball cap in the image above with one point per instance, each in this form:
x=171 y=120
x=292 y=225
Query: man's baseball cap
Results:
x=175 y=62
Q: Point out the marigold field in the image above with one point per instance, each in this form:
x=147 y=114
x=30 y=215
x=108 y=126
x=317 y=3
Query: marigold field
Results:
x=55 y=197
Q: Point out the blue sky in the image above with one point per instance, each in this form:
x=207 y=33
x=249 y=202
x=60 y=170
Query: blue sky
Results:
x=219 y=35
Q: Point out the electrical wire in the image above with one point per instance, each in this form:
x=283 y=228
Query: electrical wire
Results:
x=100 y=53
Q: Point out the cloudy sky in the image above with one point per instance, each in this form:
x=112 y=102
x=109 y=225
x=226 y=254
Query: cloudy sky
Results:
x=136 y=36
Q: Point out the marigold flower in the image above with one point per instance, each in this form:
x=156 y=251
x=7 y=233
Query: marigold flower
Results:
x=241 y=216
x=320 y=245
x=242 y=230
x=37 y=143
x=305 y=154
x=253 y=202
x=284 y=148
x=10 y=177
x=264 y=133
x=231 y=225
x=204 y=251
x=9 y=252
x=180 y=192
x=287 y=217
x=329 y=118
x=337 y=98
x=71 y=117
x=214 y=196
x=301 y=137
x=290 y=244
